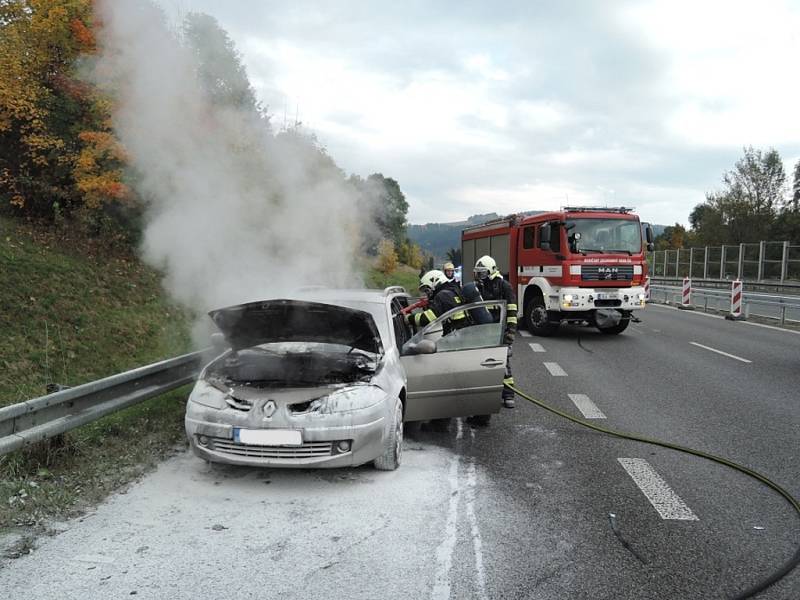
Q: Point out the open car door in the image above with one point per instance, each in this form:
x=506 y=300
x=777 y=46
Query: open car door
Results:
x=459 y=374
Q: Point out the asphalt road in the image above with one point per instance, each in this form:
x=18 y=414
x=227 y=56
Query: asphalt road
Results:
x=519 y=509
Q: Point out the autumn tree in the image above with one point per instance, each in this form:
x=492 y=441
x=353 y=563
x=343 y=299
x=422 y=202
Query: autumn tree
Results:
x=387 y=257
x=57 y=148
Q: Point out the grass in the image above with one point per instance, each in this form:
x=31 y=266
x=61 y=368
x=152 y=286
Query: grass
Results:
x=73 y=311
x=404 y=276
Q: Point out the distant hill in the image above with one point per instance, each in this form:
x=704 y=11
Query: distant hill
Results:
x=438 y=238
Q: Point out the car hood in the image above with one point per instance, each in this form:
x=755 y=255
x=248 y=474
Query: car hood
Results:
x=271 y=321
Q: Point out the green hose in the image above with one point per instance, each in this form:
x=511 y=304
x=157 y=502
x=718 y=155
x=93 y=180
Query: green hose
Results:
x=752 y=590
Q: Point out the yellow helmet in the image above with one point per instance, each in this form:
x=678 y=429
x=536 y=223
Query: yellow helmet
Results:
x=485 y=267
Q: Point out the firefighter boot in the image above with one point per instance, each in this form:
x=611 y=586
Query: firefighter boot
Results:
x=508 y=395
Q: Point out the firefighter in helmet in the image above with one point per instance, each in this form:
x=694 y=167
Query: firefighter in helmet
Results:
x=492 y=286
x=449 y=270
x=441 y=298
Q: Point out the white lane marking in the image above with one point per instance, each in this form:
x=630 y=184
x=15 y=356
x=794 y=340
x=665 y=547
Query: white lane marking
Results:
x=524 y=333
x=459 y=429
x=664 y=500
x=444 y=553
x=477 y=544
x=586 y=406
x=744 y=360
x=536 y=347
x=555 y=369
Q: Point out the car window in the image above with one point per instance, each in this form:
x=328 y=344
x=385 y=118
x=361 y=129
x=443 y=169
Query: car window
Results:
x=402 y=331
x=474 y=335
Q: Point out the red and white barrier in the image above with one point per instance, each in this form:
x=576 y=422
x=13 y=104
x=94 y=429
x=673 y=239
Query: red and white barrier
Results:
x=647 y=288
x=736 y=301
x=686 y=295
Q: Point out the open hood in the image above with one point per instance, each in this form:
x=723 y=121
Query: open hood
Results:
x=270 y=321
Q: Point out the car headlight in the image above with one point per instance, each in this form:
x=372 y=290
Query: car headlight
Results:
x=207 y=395
x=347 y=399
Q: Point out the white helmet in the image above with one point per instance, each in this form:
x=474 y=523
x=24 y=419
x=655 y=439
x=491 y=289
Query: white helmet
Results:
x=485 y=267
x=431 y=279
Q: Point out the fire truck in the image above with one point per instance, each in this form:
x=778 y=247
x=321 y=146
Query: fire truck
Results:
x=578 y=264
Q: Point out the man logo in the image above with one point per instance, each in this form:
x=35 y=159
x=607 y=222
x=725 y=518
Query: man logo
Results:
x=269 y=409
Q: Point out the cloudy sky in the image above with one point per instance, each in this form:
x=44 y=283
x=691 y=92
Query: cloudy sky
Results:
x=506 y=106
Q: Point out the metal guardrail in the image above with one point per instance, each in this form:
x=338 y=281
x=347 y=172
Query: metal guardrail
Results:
x=47 y=416
x=782 y=308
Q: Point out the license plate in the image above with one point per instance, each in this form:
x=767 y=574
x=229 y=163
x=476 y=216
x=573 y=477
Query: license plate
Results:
x=268 y=437
x=606 y=296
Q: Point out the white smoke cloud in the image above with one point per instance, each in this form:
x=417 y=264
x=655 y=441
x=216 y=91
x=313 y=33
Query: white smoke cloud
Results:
x=234 y=212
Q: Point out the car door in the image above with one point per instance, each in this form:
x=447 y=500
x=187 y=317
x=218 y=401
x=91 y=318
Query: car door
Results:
x=463 y=376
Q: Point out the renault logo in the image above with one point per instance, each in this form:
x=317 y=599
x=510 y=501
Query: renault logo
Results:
x=269 y=409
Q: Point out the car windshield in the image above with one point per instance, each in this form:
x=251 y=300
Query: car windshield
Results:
x=604 y=236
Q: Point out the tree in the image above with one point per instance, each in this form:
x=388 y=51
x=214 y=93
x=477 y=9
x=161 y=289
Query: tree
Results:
x=746 y=208
x=454 y=256
x=387 y=257
x=219 y=64
x=673 y=237
x=795 y=201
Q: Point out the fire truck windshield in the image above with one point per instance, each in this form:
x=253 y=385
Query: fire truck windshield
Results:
x=604 y=236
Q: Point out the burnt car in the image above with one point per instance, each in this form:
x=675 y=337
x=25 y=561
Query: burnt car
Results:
x=328 y=380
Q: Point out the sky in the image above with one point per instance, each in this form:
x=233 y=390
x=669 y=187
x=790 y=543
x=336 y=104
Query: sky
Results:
x=477 y=107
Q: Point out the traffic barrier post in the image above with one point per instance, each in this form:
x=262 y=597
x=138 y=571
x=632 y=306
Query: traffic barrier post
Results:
x=647 y=288
x=736 y=302
x=686 y=295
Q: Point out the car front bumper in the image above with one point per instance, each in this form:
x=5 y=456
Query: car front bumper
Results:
x=211 y=437
x=581 y=299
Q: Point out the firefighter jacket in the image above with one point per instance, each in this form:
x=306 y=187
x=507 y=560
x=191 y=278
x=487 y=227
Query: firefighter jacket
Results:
x=444 y=299
x=497 y=288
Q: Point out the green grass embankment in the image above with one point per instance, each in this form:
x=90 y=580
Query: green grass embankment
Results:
x=73 y=311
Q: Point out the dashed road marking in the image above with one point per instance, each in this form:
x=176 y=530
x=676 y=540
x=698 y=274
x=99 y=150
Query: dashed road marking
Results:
x=444 y=553
x=586 y=406
x=536 y=347
x=555 y=369
x=524 y=333
x=733 y=356
x=664 y=500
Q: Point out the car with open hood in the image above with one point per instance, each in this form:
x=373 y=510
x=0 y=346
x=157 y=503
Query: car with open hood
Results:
x=328 y=379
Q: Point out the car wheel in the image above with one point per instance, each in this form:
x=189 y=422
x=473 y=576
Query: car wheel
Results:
x=537 y=319
x=610 y=322
x=393 y=441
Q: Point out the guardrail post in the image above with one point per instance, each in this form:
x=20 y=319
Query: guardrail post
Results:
x=761 y=245
x=783 y=314
x=691 y=261
x=705 y=263
x=785 y=261
x=664 y=274
x=678 y=262
x=722 y=263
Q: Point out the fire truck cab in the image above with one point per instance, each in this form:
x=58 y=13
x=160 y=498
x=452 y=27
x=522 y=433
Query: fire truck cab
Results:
x=579 y=264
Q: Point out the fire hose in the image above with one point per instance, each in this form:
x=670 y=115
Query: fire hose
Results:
x=755 y=588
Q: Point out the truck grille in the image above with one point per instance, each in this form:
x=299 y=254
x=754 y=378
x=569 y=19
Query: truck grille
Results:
x=606 y=272
x=307 y=450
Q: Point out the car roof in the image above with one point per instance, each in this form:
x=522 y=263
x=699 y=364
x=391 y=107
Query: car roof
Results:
x=342 y=295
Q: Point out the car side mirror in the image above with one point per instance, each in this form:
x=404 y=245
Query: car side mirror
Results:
x=218 y=342
x=421 y=347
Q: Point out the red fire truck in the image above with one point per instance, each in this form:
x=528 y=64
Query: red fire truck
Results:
x=579 y=264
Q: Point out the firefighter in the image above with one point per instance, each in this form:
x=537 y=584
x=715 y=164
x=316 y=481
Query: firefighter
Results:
x=492 y=286
x=449 y=270
x=441 y=298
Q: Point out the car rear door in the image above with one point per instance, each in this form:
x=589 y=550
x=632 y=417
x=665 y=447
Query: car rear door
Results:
x=464 y=376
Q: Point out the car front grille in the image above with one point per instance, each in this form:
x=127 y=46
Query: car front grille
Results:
x=307 y=450
x=607 y=273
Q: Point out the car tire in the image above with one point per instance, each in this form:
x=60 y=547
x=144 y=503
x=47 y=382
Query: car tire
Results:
x=537 y=318
x=392 y=441
x=609 y=328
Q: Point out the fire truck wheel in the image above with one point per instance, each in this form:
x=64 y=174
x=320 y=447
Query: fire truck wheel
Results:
x=611 y=322
x=537 y=320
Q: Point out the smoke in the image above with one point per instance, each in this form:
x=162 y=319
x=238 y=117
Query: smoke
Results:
x=233 y=212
